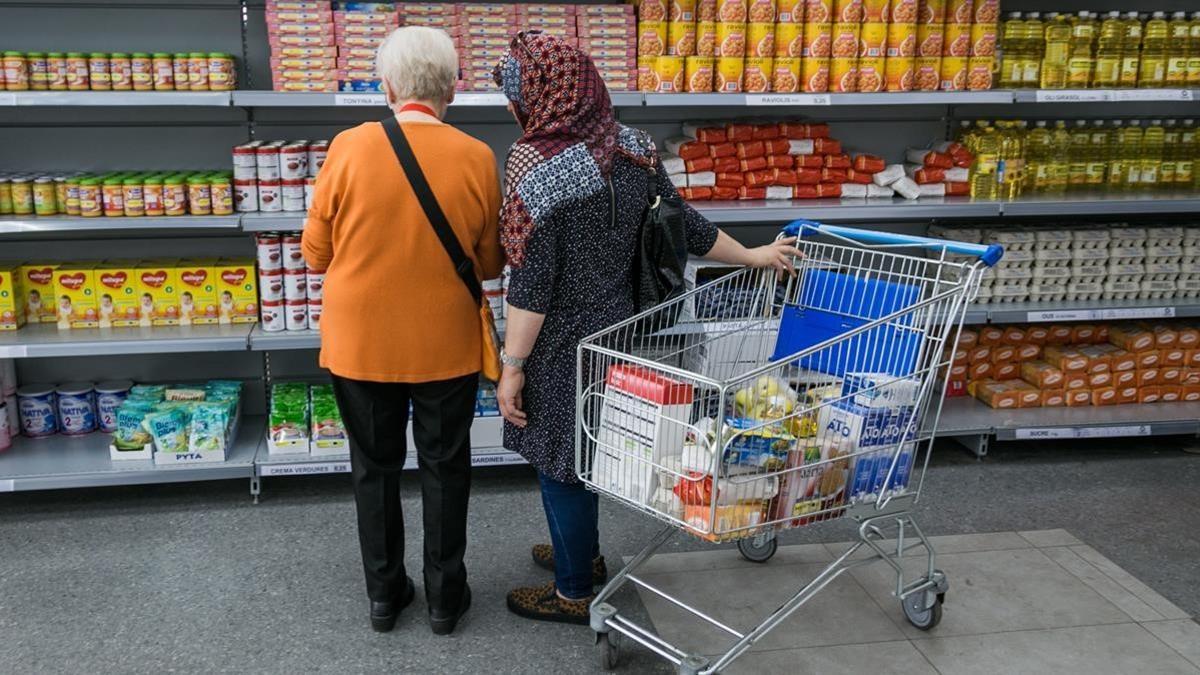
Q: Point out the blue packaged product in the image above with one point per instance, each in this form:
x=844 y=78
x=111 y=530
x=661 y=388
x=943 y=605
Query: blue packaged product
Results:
x=76 y=408
x=38 y=410
x=866 y=427
x=364 y=6
x=373 y=86
x=763 y=447
x=109 y=397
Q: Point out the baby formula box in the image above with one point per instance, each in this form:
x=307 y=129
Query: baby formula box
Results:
x=12 y=298
x=37 y=285
x=237 y=291
x=197 y=293
x=76 y=408
x=118 y=302
x=75 y=291
x=158 y=286
x=38 y=410
x=109 y=396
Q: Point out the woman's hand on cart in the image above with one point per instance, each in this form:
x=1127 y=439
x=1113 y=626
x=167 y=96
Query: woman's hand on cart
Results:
x=508 y=395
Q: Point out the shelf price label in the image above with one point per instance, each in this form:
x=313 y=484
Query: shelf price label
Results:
x=1045 y=433
x=789 y=99
x=8 y=485
x=1154 y=95
x=480 y=99
x=358 y=100
x=8 y=99
x=305 y=469
x=1109 y=314
x=1073 y=95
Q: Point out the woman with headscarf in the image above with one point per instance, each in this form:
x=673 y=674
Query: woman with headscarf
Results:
x=576 y=188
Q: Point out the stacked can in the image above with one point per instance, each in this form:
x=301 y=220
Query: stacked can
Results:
x=931 y=36
x=848 y=38
x=956 y=45
x=984 y=30
x=273 y=176
x=789 y=46
x=817 y=47
x=899 y=71
x=291 y=293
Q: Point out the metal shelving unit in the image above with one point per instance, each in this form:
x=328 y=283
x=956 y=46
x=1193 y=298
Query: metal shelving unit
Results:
x=1104 y=204
x=83 y=461
x=770 y=212
x=1105 y=95
x=157 y=224
x=272 y=222
x=1099 y=310
x=261 y=341
x=466 y=99
x=221 y=99
x=46 y=340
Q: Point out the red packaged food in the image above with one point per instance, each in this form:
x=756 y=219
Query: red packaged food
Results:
x=691 y=149
x=696 y=194
x=930 y=158
x=726 y=164
x=840 y=161
x=959 y=154
x=765 y=132
x=805 y=192
x=869 y=163
x=724 y=194
x=751 y=149
x=833 y=176
x=759 y=178
x=698 y=164
x=722 y=150
x=801 y=130
x=780 y=161
x=739 y=132
x=786 y=177
x=929 y=175
x=753 y=164
x=1006 y=370
x=809 y=161
x=730 y=180
x=1036 y=335
x=958 y=189
x=853 y=176
x=777 y=146
x=829 y=190
x=808 y=177
x=712 y=135
x=827 y=146
x=746 y=192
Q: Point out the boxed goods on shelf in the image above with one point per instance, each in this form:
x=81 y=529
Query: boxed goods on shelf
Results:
x=118 y=194
x=275 y=176
x=118 y=71
x=177 y=423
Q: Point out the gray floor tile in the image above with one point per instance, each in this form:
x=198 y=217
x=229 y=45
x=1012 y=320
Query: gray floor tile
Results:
x=880 y=657
x=1182 y=635
x=1042 y=538
x=725 y=558
x=992 y=591
x=950 y=543
x=1117 y=649
x=1133 y=585
x=1102 y=584
x=742 y=597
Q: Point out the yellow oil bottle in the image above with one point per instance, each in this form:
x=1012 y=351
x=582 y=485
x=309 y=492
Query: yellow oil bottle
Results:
x=1107 y=74
x=984 y=185
x=1151 y=156
x=1131 y=156
x=1170 y=156
x=1193 y=71
x=1057 y=52
x=1083 y=56
x=1012 y=52
x=1185 y=161
x=1037 y=158
x=1179 y=49
x=1011 y=172
x=1059 y=159
x=1131 y=47
x=1152 y=73
x=1118 y=167
x=1097 y=156
x=1035 y=49
x=1081 y=140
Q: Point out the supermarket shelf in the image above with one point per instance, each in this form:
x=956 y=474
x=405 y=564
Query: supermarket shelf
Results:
x=804 y=100
x=43 y=340
x=287 y=99
x=1105 y=95
x=82 y=461
x=1100 y=310
x=261 y=341
x=769 y=212
x=967 y=417
x=47 y=224
x=1105 y=204
x=117 y=98
x=273 y=222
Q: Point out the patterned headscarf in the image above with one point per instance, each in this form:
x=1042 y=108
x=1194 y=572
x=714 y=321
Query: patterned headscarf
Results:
x=570 y=137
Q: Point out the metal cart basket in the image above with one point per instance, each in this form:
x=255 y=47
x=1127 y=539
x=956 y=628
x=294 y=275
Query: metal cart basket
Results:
x=762 y=402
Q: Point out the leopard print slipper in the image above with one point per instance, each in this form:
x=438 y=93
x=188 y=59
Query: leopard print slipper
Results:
x=542 y=603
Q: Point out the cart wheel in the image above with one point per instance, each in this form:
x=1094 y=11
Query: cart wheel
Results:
x=916 y=612
x=610 y=650
x=758 y=550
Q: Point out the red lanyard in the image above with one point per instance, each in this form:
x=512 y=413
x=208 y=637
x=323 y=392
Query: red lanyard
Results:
x=418 y=107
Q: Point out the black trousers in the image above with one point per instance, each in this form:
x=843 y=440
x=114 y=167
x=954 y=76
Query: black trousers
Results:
x=376 y=417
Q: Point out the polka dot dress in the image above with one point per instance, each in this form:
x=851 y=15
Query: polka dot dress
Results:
x=578 y=273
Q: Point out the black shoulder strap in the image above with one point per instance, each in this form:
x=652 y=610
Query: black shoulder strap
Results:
x=416 y=178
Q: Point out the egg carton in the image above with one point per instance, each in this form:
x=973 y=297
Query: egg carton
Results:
x=1126 y=271
x=1008 y=292
x=1191 y=236
x=1128 y=236
x=1051 y=240
x=1090 y=238
x=1013 y=273
x=1018 y=258
x=1122 y=290
x=985 y=295
x=1187 y=288
x=1084 y=290
x=1052 y=257
x=1189 y=267
x=1157 y=290
x=1162 y=271
x=1011 y=240
x=1164 y=236
x=1191 y=249
x=1058 y=274
x=1089 y=256
x=1088 y=272
x=1161 y=253
x=1126 y=253
x=1040 y=292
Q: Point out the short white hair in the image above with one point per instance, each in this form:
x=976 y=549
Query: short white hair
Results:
x=418 y=63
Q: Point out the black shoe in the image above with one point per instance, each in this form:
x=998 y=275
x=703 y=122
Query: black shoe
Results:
x=384 y=614
x=443 y=622
x=543 y=556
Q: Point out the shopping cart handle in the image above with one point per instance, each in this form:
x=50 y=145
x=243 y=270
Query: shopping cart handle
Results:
x=989 y=254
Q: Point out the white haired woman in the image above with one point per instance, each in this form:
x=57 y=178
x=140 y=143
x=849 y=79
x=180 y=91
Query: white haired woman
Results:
x=400 y=324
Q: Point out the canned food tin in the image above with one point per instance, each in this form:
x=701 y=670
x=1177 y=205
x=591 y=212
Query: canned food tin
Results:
x=292 y=190
x=652 y=38
x=957 y=41
x=270 y=285
x=818 y=11
x=845 y=42
x=45 y=197
x=56 y=71
x=988 y=11
x=245 y=161
x=698 y=74
x=902 y=40
x=682 y=11
x=317 y=150
x=310 y=188
x=954 y=73
x=98 y=72
x=903 y=11
x=871 y=75
x=731 y=39
x=847 y=11
x=22 y=196
x=652 y=10
x=76 y=408
x=761 y=11
x=142 y=69
x=789 y=11
x=179 y=68
x=315 y=308
x=269 y=252
x=930 y=39
x=900 y=73
x=199 y=196
x=760 y=40
x=818 y=40
x=786 y=78
x=843 y=74
x=789 y=40
x=220 y=72
x=272 y=316
x=293 y=252
x=931 y=12
x=245 y=194
x=959 y=12
x=39 y=76
x=295 y=285
x=647 y=78
x=267 y=164
x=16 y=71
x=293 y=161
x=109 y=396
x=729 y=73
x=164 y=72
x=681 y=39
x=877 y=11
x=706 y=39
x=756 y=77
x=983 y=39
x=197 y=69
x=77 y=72
x=979 y=73
x=814 y=74
x=295 y=315
x=874 y=39
x=927 y=73
x=731 y=11
x=38 y=410
x=706 y=10
x=222 y=196
x=120 y=71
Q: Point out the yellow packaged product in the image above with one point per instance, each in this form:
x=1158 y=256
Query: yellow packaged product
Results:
x=847 y=11
x=927 y=75
x=900 y=72
x=682 y=11
x=871 y=74
x=789 y=11
x=669 y=73
x=931 y=38
x=877 y=11
x=158 y=292
x=761 y=11
x=902 y=39
x=12 y=298
x=983 y=39
x=681 y=39
x=731 y=39
x=873 y=41
x=787 y=75
x=652 y=10
x=789 y=40
x=729 y=72
x=931 y=12
x=756 y=78
x=647 y=78
x=954 y=73
x=731 y=11
x=760 y=40
x=987 y=11
x=237 y=291
x=960 y=12
x=903 y=11
x=698 y=74
x=118 y=301
x=818 y=11
x=198 y=302
x=75 y=296
x=845 y=42
x=37 y=285
x=652 y=38
x=979 y=73
x=814 y=75
x=957 y=41
x=706 y=38
x=818 y=40
x=843 y=74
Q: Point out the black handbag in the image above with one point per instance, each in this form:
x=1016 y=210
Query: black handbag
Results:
x=661 y=255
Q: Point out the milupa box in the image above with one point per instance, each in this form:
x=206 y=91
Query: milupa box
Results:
x=198 y=301
x=75 y=295
x=12 y=297
x=37 y=282
x=158 y=286
x=118 y=299
x=237 y=291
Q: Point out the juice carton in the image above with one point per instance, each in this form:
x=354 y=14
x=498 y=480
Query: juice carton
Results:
x=237 y=291
x=37 y=280
x=12 y=297
x=158 y=291
x=118 y=299
x=75 y=294
x=197 y=292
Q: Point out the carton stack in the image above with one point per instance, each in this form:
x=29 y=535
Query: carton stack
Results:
x=481 y=33
x=360 y=28
x=303 y=45
x=607 y=34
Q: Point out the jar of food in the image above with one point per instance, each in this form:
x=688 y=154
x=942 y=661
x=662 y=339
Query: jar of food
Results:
x=60 y=194
x=45 y=201
x=22 y=196
x=39 y=76
x=221 y=75
x=142 y=69
x=98 y=73
x=134 y=196
x=317 y=150
x=199 y=196
x=152 y=193
x=16 y=72
x=174 y=195
x=269 y=198
x=179 y=66
x=5 y=196
x=222 y=195
x=197 y=71
x=71 y=204
x=120 y=71
x=56 y=71
x=77 y=72
x=164 y=71
x=245 y=194
x=91 y=201
x=112 y=194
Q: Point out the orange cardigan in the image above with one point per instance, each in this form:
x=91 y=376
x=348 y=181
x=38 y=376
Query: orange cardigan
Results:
x=394 y=309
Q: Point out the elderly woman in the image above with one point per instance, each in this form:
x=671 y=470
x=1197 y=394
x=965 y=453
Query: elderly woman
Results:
x=576 y=188
x=400 y=326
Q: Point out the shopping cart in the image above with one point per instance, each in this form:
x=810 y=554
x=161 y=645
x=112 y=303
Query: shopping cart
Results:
x=762 y=402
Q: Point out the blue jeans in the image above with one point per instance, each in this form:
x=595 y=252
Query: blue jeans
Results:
x=573 y=513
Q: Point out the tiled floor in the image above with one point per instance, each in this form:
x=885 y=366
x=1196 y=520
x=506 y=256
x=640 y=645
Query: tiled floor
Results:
x=1019 y=602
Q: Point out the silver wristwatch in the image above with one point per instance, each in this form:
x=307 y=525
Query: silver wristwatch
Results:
x=511 y=361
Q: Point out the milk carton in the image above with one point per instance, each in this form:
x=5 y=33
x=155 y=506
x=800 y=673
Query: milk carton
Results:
x=75 y=296
x=237 y=291
x=197 y=292
x=872 y=435
x=12 y=298
x=117 y=290
x=880 y=390
x=37 y=281
x=158 y=287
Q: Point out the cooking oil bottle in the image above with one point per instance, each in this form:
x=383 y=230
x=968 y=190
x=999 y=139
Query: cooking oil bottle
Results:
x=1035 y=49
x=1037 y=158
x=1170 y=156
x=1097 y=156
x=1107 y=74
x=1083 y=56
x=1059 y=158
x=984 y=185
x=1081 y=140
x=1118 y=167
x=1131 y=47
x=1152 y=73
x=1151 y=156
x=1057 y=52
x=1131 y=156
x=1193 y=72
x=1185 y=160
x=1012 y=52
x=1011 y=172
x=1179 y=49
